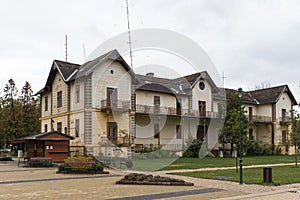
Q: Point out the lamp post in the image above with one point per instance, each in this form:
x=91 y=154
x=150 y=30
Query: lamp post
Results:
x=241 y=137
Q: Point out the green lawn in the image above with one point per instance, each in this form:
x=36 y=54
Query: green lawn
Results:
x=281 y=175
x=209 y=162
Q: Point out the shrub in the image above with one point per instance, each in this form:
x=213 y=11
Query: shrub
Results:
x=62 y=167
x=254 y=148
x=5 y=158
x=98 y=166
x=193 y=149
x=129 y=164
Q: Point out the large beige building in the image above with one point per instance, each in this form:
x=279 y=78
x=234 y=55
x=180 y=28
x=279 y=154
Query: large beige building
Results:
x=104 y=104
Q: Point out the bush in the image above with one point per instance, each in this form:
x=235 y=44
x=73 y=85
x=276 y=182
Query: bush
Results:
x=98 y=166
x=193 y=148
x=5 y=158
x=254 y=148
x=62 y=167
x=129 y=164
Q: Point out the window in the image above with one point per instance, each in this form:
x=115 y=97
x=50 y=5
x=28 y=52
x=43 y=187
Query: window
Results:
x=178 y=132
x=76 y=127
x=59 y=127
x=156 y=131
x=46 y=128
x=66 y=130
x=250 y=114
x=201 y=85
x=156 y=100
x=59 y=99
x=283 y=114
x=283 y=137
x=251 y=134
x=77 y=94
x=202 y=108
x=46 y=104
x=156 y=104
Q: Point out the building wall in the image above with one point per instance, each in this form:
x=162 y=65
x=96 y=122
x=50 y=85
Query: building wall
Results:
x=113 y=75
x=43 y=112
x=59 y=85
x=147 y=98
x=284 y=102
x=202 y=95
x=75 y=106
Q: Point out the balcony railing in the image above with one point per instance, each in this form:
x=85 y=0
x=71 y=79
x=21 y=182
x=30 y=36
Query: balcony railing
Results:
x=259 y=118
x=146 y=109
x=115 y=104
x=285 y=119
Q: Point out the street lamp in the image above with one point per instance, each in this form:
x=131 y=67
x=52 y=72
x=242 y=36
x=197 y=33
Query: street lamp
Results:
x=240 y=91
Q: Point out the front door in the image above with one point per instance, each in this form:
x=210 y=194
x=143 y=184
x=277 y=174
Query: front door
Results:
x=201 y=132
x=112 y=132
x=112 y=95
x=178 y=106
x=202 y=108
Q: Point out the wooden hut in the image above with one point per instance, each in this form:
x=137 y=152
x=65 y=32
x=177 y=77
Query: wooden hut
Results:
x=47 y=144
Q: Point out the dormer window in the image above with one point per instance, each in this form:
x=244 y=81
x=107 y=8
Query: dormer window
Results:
x=201 y=85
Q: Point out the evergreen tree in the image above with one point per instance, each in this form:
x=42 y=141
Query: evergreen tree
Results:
x=10 y=112
x=30 y=111
x=231 y=129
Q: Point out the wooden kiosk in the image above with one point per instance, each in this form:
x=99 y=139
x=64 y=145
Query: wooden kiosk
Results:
x=52 y=145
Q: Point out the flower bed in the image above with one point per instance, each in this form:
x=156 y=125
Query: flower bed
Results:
x=5 y=157
x=81 y=165
x=143 y=179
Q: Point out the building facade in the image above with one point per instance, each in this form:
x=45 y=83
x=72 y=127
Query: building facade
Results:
x=106 y=106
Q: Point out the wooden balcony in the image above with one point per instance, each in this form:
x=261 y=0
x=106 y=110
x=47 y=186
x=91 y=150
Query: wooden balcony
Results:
x=286 y=119
x=260 y=119
x=146 y=109
x=118 y=105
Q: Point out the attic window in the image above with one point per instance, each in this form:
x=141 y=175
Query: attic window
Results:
x=201 y=85
x=111 y=71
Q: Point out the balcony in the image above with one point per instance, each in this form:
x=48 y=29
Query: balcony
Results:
x=260 y=119
x=146 y=109
x=155 y=110
x=118 y=105
x=285 y=119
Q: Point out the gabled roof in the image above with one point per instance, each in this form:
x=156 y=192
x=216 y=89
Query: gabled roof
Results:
x=66 y=69
x=88 y=67
x=40 y=136
x=267 y=95
x=181 y=85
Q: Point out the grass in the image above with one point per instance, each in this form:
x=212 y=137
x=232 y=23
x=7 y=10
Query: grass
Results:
x=281 y=175
x=209 y=162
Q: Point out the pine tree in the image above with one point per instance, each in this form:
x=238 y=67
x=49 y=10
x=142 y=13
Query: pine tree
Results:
x=30 y=111
x=10 y=112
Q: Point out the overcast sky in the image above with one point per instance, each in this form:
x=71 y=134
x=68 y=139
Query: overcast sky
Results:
x=250 y=41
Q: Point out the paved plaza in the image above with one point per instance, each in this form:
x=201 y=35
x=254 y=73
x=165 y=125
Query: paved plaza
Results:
x=43 y=183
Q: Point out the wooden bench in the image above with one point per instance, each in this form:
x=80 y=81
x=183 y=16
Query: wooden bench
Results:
x=40 y=162
x=79 y=165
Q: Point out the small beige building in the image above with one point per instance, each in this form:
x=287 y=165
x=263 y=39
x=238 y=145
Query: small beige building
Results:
x=269 y=113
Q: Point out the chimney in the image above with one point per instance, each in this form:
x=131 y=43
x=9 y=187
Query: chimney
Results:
x=150 y=74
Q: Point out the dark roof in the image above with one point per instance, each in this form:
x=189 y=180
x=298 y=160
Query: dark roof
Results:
x=88 y=67
x=267 y=95
x=41 y=135
x=181 y=85
x=66 y=69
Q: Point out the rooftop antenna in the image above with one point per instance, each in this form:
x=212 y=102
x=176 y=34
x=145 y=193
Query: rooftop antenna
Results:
x=66 y=45
x=84 y=54
x=223 y=78
x=129 y=35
